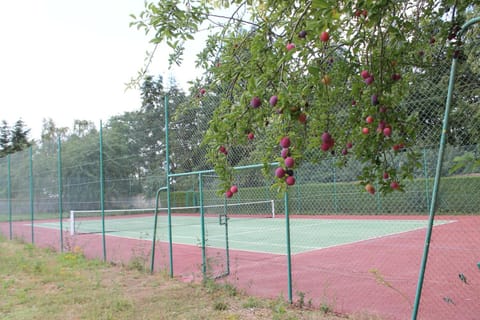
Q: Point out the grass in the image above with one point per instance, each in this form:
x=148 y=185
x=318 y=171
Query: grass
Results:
x=43 y=284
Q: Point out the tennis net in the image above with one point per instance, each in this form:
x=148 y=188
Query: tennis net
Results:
x=79 y=218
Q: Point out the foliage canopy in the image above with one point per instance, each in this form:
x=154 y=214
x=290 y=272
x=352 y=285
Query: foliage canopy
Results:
x=329 y=75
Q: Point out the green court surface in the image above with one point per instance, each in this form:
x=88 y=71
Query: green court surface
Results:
x=251 y=234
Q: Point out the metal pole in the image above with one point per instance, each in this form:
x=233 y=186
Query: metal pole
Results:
x=60 y=190
x=102 y=200
x=273 y=208
x=289 y=254
x=434 y=195
x=154 y=239
x=167 y=171
x=251 y=166
x=72 y=223
x=436 y=183
x=9 y=197
x=335 y=198
x=227 y=247
x=202 y=222
x=30 y=156
x=425 y=173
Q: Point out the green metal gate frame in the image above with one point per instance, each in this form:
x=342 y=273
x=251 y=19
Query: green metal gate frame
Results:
x=433 y=203
x=170 y=175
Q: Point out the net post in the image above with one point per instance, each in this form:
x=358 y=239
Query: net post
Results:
x=72 y=223
x=273 y=208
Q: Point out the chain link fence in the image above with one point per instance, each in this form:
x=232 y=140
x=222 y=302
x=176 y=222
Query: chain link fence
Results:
x=338 y=249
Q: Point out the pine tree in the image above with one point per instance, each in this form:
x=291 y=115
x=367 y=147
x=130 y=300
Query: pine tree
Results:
x=4 y=139
x=19 y=137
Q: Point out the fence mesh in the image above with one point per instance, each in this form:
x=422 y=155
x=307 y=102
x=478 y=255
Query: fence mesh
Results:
x=345 y=242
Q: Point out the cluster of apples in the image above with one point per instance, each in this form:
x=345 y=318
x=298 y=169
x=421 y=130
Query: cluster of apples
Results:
x=287 y=172
x=324 y=37
x=231 y=191
x=393 y=184
x=382 y=127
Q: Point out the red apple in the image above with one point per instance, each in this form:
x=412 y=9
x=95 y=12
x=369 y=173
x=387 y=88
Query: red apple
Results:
x=387 y=132
x=228 y=194
x=396 y=77
x=255 y=102
x=251 y=136
x=273 y=100
x=369 y=80
x=285 y=153
x=349 y=145
x=222 y=149
x=326 y=137
x=279 y=172
x=386 y=175
x=290 y=46
x=289 y=162
x=370 y=189
x=324 y=36
x=233 y=189
x=285 y=142
x=365 y=74
x=394 y=185
x=290 y=180
x=369 y=119
x=327 y=141
x=365 y=130
x=202 y=91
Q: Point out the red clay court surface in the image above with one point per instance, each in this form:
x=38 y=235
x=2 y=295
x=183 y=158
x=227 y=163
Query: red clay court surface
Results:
x=376 y=277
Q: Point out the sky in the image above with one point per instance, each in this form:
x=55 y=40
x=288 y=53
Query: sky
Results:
x=70 y=60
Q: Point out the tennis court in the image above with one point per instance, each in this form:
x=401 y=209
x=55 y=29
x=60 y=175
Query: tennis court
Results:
x=263 y=235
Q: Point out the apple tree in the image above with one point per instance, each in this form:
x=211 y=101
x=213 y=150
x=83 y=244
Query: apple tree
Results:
x=312 y=78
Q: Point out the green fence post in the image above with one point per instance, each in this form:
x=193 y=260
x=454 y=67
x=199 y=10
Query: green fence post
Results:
x=167 y=173
x=30 y=161
x=298 y=195
x=335 y=199
x=102 y=200
x=227 y=246
x=425 y=173
x=289 y=254
x=9 y=197
x=154 y=239
x=60 y=190
x=436 y=183
x=378 y=201
x=202 y=222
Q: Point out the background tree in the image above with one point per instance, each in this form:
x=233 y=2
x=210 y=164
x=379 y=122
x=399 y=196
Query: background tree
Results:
x=5 y=139
x=83 y=127
x=19 y=138
x=14 y=139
